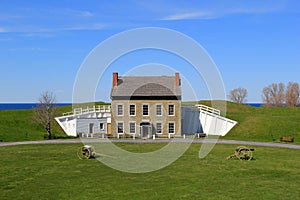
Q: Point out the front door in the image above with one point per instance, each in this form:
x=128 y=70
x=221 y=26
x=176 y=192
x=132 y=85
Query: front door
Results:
x=145 y=130
x=109 y=129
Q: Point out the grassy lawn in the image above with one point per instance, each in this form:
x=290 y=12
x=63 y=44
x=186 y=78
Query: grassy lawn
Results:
x=55 y=172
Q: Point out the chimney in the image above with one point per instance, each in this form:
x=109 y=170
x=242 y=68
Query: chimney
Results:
x=177 y=79
x=115 y=78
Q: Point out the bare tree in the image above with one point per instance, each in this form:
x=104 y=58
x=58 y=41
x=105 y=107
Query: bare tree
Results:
x=238 y=95
x=45 y=111
x=292 y=94
x=274 y=95
x=266 y=96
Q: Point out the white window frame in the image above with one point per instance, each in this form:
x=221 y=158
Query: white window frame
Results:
x=169 y=128
x=122 y=127
x=173 y=109
x=161 y=109
x=132 y=122
x=134 y=109
x=161 y=127
x=119 y=104
x=147 y=109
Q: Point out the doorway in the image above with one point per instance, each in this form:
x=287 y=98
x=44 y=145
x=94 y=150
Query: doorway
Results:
x=91 y=128
x=145 y=130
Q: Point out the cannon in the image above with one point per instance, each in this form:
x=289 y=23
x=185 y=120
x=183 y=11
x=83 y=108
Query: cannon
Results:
x=88 y=151
x=242 y=153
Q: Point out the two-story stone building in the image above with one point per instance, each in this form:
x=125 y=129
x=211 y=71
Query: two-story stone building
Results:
x=143 y=106
x=146 y=105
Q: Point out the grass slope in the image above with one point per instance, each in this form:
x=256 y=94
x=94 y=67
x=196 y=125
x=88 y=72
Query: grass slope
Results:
x=263 y=123
x=55 y=172
x=18 y=125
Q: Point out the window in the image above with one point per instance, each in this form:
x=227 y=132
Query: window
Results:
x=171 y=110
x=132 y=110
x=171 y=128
x=145 y=110
x=158 y=110
x=120 y=109
x=101 y=126
x=120 y=127
x=158 y=128
x=132 y=127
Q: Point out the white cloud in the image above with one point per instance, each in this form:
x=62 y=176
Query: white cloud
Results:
x=2 y=30
x=50 y=32
x=37 y=34
x=79 y=13
x=29 y=21
x=254 y=10
x=218 y=12
x=190 y=15
x=85 y=27
x=5 y=39
x=28 y=49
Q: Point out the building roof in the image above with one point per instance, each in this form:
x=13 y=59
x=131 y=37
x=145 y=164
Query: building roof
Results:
x=146 y=86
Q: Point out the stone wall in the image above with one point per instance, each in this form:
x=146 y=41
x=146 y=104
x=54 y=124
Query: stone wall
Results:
x=152 y=118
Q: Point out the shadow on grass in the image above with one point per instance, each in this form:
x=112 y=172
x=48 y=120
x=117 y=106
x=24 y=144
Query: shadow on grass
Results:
x=53 y=137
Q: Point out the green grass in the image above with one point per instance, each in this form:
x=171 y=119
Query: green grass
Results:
x=55 y=172
x=263 y=123
x=18 y=125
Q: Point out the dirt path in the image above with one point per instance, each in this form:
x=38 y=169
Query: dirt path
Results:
x=74 y=141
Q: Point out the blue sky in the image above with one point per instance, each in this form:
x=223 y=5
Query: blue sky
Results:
x=43 y=43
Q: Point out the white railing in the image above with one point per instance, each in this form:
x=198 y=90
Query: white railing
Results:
x=79 y=111
x=208 y=109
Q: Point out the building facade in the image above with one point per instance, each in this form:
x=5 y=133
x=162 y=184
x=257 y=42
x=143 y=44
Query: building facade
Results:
x=88 y=122
x=143 y=106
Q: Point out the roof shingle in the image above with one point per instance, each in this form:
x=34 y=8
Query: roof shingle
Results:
x=146 y=86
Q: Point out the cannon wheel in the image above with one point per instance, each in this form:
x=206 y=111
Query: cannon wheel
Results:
x=83 y=153
x=243 y=153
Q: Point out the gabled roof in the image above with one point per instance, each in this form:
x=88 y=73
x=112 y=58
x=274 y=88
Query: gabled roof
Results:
x=146 y=86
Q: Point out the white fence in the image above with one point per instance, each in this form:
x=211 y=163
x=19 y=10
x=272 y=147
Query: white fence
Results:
x=79 y=111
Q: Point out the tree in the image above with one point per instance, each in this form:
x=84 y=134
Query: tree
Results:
x=292 y=94
x=274 y=95
x=238 y=95
x=266 y=96
x=45 y=111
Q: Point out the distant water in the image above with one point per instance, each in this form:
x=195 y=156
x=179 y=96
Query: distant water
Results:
x=254 y=104
x=28 y=106
x=24 y=106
